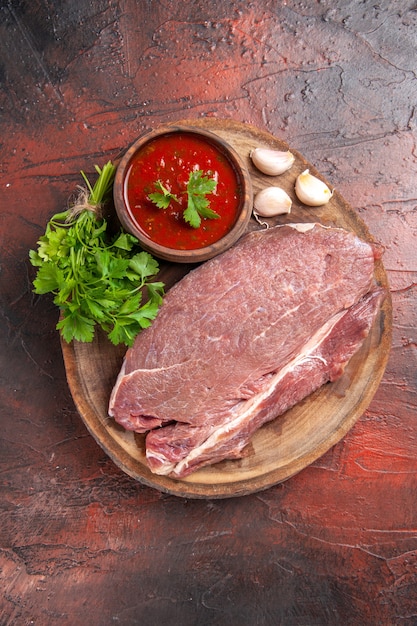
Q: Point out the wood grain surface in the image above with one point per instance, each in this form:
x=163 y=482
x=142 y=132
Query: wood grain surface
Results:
x=291 y=442
x=81 y=542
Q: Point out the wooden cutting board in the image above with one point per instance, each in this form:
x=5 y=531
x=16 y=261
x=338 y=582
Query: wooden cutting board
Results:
x=292 y=441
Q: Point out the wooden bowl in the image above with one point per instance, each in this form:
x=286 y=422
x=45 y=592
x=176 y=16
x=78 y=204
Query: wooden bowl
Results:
x=184 y=253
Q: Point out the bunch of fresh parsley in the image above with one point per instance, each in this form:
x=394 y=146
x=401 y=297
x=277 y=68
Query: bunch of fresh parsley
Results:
x=96 y=279
x=198 y=206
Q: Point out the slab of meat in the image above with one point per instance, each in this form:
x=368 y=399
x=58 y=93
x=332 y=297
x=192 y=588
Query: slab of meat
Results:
x=244 y=337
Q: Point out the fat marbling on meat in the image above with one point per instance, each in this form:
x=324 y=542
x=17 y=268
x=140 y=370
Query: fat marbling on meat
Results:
x=244 y=337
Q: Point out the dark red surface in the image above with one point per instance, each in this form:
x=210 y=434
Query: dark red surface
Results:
x=82 y=543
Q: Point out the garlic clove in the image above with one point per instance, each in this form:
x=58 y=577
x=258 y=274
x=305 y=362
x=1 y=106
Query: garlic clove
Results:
x=272 y=162
x=312 y=191
x=272 y=201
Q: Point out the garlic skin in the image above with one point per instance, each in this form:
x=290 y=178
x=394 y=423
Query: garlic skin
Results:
x=272 y=162
x=272 y=201
x=312 y=191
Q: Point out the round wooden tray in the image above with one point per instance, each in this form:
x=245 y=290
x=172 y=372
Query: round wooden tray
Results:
x=292 y=441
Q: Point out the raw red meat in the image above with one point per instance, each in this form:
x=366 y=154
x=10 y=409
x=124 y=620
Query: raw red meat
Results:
x=244 y=337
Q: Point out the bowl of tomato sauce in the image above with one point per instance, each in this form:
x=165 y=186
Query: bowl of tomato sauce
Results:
x=183 y=192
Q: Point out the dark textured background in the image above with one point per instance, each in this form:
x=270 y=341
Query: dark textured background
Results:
x=82 y=543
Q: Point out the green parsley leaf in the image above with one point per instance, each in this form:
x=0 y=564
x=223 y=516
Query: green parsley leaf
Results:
x=73 y=325
x=125 y=242
x=198 y=206
x=96 y=279
x=131 y=305
x=143 y=264
x=156 y=292
x=162 y=198
x=48 y=278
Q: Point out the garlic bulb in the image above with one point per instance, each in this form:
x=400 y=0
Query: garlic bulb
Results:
x=312 y=191
x=272 y=162
x=272 y=201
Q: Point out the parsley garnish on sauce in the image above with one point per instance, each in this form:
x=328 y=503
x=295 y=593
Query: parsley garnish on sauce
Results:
x=198 y=206
x=96 y=279
x=163 y=196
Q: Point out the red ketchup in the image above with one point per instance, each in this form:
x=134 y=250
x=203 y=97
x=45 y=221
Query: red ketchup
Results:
x=170 y=159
